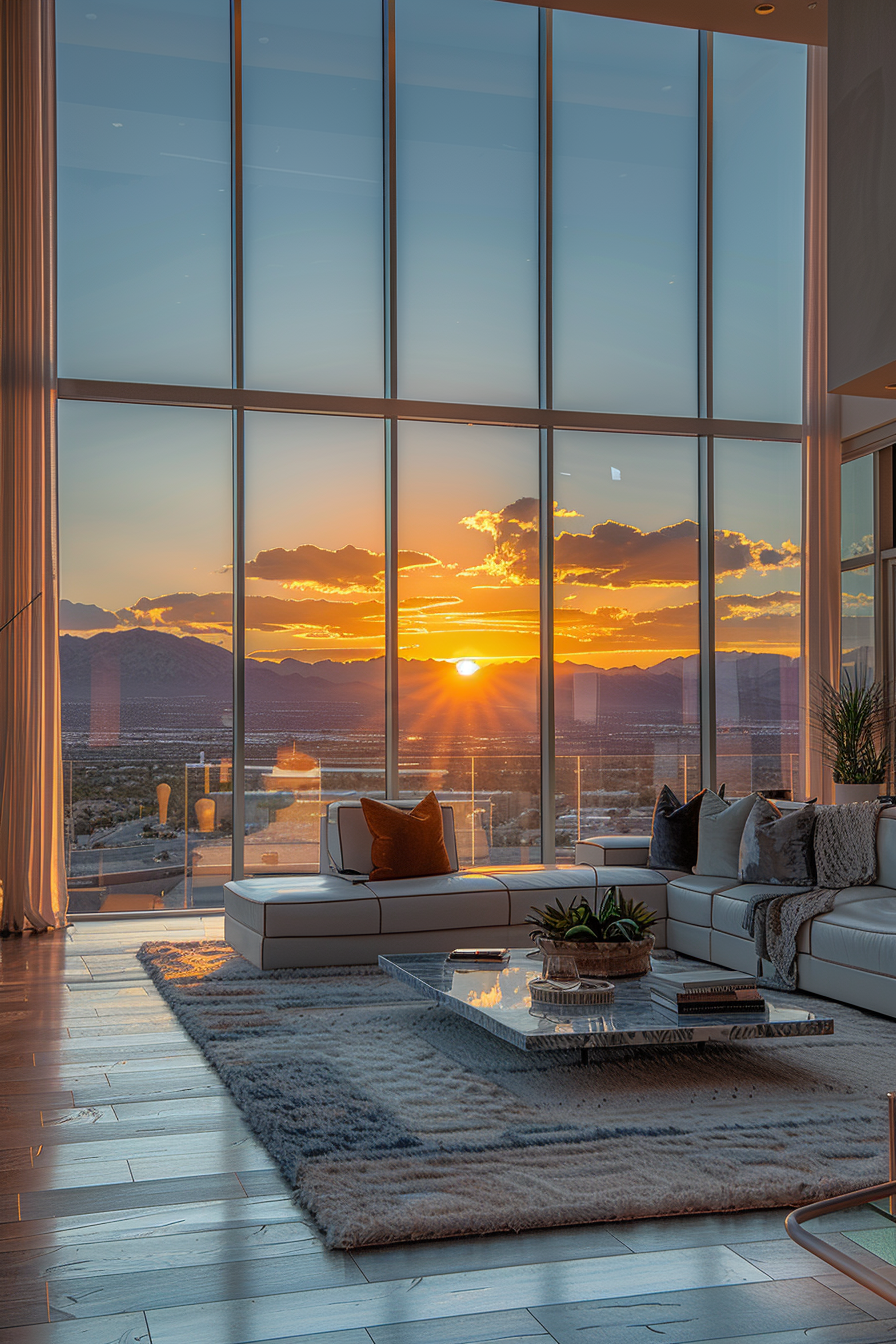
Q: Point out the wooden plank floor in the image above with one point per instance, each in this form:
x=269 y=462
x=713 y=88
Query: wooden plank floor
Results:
x=135 y=1206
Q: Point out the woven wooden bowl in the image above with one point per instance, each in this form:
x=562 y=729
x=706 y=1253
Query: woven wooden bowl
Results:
x=602 y=961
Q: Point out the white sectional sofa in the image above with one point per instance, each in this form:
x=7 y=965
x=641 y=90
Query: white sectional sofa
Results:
x=848 y=954
x=341 y=918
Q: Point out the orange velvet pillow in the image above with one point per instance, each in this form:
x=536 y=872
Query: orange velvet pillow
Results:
x=406 y=844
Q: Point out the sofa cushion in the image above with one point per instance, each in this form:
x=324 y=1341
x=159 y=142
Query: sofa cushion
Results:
x=544 y=877
x=689 y=898
x=886 y=848
x=531 y=885
x=630 y=850
x=703 y=883
x=673 y=840
x=721 y=828
x=776 y=848
x=313 y=905
x=858 y=933
x=729 y=907
x=632 y=880
x=449 y=901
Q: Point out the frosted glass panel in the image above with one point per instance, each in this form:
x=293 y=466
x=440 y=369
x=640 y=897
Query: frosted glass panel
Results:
x=468 y=630
x=757 y=614
x=627 y=629
x=147 y=672
x=625 y=216
x=857 y=653
x=467 y=200
x=315 y=628
x=144 y=191
x=759 y=137
x=313 y=171
x=857 y=507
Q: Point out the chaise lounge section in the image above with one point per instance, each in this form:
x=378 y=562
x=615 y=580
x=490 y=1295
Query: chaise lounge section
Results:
x=342 y=918
x=848 y=954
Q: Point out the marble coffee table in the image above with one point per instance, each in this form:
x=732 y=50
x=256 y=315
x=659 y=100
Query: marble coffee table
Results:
x=496 y=998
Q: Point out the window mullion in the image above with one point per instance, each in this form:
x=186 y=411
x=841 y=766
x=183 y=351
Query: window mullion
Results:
x=546 y=444
x=706 y=484
x=238 y=784
x=390 y=389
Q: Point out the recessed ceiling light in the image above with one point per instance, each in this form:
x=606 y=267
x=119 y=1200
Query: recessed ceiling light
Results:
x=890 y=387
x=765 y=9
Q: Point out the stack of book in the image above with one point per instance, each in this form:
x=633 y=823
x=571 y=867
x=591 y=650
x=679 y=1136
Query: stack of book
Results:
x=689 y=992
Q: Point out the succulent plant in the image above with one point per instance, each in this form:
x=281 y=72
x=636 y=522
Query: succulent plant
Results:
x=616 y=920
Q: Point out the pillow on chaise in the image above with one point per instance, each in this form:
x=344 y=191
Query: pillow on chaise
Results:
x=406 y=844
x=777 y=848
x=721 y=827
x=673 y=839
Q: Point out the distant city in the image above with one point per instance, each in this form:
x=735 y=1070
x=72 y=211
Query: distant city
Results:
x=142 y=708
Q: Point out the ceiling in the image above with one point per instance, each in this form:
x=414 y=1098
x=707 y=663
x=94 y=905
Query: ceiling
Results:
x=792 y=21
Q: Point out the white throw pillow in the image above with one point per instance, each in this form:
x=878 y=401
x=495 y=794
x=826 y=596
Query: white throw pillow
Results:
x=718 y=839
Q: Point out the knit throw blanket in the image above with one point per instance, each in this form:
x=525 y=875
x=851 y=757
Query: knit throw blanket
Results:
x=845 y=842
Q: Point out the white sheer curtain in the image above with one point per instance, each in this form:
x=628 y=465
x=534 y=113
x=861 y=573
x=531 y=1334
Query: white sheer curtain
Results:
x=821 y=450
x=32 y=863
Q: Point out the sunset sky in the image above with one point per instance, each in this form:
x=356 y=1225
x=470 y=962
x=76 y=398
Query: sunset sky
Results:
x=625 y=548
x=145 y=294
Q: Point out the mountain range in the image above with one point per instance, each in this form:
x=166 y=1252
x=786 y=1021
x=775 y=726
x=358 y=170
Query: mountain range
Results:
x=141 y=665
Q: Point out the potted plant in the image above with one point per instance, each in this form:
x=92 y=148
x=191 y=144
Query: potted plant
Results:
x=856 y=720
x=610 y=940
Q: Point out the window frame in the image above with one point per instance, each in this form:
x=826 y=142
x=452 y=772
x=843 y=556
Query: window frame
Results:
x=545 y=417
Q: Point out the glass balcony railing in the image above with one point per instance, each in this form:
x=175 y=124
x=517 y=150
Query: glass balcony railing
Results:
x=158 y=836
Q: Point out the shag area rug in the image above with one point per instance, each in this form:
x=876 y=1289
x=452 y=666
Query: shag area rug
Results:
x=395 y=1120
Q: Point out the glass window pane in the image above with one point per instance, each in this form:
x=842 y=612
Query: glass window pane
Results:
x=468 y=632
x=313 y=202
x=625 y=216
x=857 y=623
x=145 y=649
x=626 y=629
x=759 y=139
x=857 y=507
x=467 y=121
x=757 y=614
x=144 y=191
x=314 y=628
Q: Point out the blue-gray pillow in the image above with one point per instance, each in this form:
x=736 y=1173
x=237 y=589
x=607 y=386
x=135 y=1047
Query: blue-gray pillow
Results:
x=777 y=848
x=673 y=840
x=721 y=829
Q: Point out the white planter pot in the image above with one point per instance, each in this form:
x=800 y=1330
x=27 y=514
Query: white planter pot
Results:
x=857 y=793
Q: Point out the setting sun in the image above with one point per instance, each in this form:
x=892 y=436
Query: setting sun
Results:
x=466 y=667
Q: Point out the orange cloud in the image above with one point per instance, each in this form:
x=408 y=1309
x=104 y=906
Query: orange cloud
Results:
x=743 y=621
x=615 y=555
x=448 y=626
x=351 y=569
x=515 y=533
x=211 y=613
x=429 y=603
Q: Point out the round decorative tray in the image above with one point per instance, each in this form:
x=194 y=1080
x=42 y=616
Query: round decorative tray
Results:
x=571 y=994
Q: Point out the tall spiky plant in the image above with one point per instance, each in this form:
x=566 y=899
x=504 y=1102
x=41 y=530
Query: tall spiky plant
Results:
x=856 y=720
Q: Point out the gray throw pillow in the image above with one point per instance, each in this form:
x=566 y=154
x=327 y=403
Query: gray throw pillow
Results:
x=777 y=848
x=718 y=839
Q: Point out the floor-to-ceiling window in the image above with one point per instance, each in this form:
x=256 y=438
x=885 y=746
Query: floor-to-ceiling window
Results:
x=859 y=565
x=430 y=383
